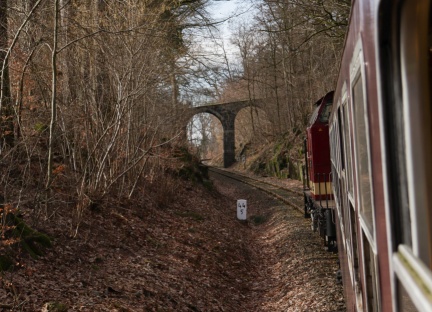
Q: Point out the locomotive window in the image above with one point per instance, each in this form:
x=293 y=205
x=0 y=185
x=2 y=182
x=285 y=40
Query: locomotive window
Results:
x=325 y=113
x=362 y=152
x=314 y=115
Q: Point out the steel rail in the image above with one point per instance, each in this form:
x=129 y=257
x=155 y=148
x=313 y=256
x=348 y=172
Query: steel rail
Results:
x=290 y=197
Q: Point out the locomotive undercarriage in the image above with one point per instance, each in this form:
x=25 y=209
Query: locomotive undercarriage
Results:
x=322 y=221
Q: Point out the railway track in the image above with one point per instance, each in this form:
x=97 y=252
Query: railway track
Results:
x=287 y=241
x=290 y=197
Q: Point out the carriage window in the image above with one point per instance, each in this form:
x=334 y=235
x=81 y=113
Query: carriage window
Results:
x=415 y=30
x=347 y=147
x=405 y=302
x=405 y=44
x=430 y=112
x=393 y=116
x=352 y=219
x=371 y=274
x=363 y=174
x=342 y=143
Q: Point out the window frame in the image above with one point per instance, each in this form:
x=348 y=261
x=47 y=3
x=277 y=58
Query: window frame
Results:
x=346 y=118
x=357 y=71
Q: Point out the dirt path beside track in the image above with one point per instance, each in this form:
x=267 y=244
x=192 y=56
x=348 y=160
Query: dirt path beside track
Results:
x=293 y=271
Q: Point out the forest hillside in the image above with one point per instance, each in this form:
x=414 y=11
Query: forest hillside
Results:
x=95 y=121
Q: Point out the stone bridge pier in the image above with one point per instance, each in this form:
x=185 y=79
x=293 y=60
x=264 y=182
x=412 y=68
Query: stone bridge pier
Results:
x=228 y=126
x=226 y=113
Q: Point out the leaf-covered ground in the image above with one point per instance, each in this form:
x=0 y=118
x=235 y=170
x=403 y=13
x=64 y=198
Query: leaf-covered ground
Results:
x=189 y=255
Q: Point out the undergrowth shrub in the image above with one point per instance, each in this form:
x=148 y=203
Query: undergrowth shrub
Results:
x=167 y=177
x=192 y=169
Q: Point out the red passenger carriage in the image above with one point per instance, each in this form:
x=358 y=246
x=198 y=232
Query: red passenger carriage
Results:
x=381 y=146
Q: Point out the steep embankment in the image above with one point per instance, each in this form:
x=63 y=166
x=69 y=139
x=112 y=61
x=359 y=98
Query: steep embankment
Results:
x=186 y=254
x=282 y=158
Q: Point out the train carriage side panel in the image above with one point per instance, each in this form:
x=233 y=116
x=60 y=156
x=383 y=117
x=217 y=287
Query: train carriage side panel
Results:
x=364 y=218
x=383 y=112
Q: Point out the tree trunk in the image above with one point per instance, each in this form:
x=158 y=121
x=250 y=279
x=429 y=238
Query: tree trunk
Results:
x=53 y=94
x=6 y=109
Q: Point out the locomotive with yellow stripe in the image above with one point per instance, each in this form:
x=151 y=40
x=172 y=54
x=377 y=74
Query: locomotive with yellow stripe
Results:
x=318 y=195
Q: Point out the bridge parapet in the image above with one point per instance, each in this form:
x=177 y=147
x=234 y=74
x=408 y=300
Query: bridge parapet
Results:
x=228 y=107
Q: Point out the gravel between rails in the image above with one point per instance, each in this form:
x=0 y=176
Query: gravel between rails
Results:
x=292 y=271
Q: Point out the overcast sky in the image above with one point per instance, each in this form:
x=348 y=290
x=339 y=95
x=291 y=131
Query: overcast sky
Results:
x=222 y=10
x=229 y=13
x=233 y=10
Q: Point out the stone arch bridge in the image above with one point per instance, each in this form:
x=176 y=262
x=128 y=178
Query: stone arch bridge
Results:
x=226 y=113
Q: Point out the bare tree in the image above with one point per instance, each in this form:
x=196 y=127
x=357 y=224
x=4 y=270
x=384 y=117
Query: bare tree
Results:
x=94 y=94
x=6 y=111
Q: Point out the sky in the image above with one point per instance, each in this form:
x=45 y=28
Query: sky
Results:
x=231 y=12
x=225 y=9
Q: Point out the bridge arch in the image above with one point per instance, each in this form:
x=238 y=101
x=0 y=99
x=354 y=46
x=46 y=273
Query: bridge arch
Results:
x=226 y=113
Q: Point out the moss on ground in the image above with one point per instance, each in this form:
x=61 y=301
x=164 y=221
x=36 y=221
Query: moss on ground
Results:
x=5 y=263
x=24 y=237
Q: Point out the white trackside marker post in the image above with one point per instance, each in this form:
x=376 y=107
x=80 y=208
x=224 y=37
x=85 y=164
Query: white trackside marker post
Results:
x=241 y=209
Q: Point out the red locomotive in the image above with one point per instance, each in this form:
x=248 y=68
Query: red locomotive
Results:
x=318 y=189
